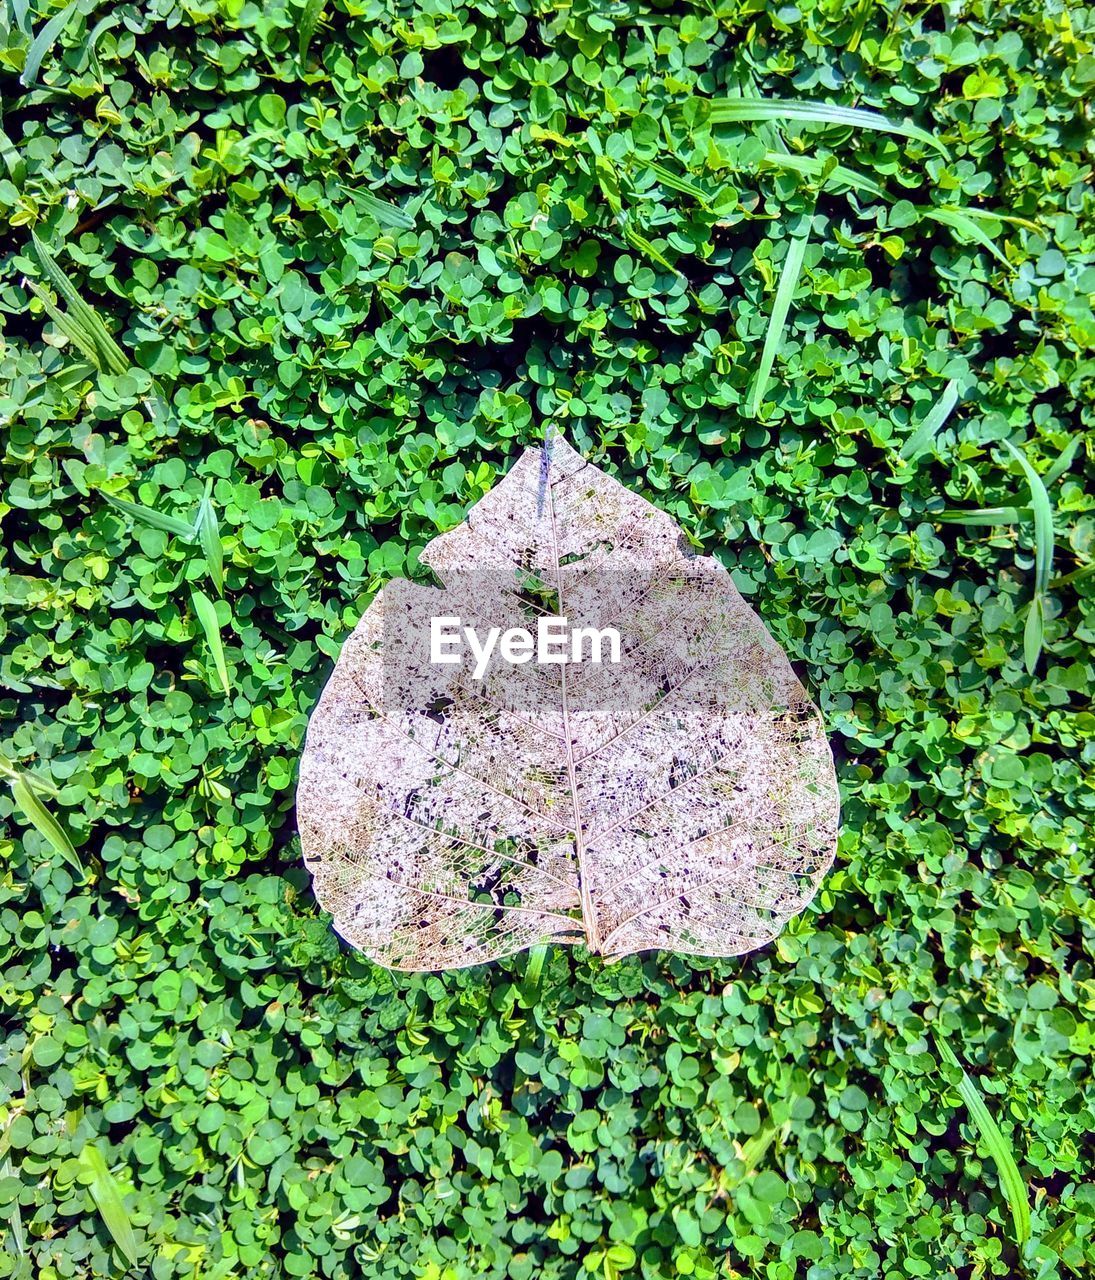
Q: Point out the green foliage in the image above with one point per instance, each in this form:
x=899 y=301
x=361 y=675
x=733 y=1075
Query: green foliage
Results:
x=307 y=278
x=107 y=1195
x=1000 y=1148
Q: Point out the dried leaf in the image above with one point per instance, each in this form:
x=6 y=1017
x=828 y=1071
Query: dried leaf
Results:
x=682 y=798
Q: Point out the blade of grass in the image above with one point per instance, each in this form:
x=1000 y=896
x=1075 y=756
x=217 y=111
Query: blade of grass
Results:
x=742 y=84
x=40 y=818
x=14 y=1217
x=605 y=173
x=608 y=180
x=1042 y=510
x=643 y=245
x=751 y=1152
x=1077 y=575
x=535 y=967
x=669 y=179
x=20 y=12
x=13 y=161
x=777 y=321
x=1043 y=521
x=155 y=519
x=41 y=785
x=309 y=20
x=1034 y=632
x=107 y=1195
x=958 y=220
x=735 y=110
x=388 y=215
x=814 y=167
x=209 y=532
x=1060 y=1238
x=985 y=515
x=206 y=612
x=754 y=1149
x=1011 y=1180
x=113 y=356
x=936 y=416
x=82 y=341
x=43 y=42
x=990 y=215
x=1061 y=466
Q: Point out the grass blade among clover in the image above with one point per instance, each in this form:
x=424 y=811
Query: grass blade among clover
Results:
x=777 y=321
x=209 y=533
x=113 y=358
x=778 y=110
x=206 y=612
x=42 y=43
x=40 y=818
x=107 y=1195
x=935 y=418
x=153 y=518
x=1011 y=1180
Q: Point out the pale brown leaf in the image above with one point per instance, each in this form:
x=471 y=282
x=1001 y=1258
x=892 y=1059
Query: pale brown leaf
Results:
x=684 y=798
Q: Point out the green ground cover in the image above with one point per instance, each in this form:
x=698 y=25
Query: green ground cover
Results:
x=303 y=280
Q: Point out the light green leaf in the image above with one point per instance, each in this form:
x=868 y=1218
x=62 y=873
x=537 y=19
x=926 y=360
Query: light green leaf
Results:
x=960 y=221
x=206 y=612
x=838 y=176
x=155 y=519
x=388 y=215
x=107 y=1195
x=734 y=110
x=1011 y=1181
x=773 y=339
x=936 y=416
x=40 y=818
x=986 y=516
x=1043 y=521
x=111 y=356
x=43 y=42
x=209 y=531
x=309 y=20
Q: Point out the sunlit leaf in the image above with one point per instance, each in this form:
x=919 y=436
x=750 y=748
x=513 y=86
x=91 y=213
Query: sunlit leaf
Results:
x=936 y=416
x=206 y=612
x=1011 y=1180
x=40 y=818
x=777 y=321
x=778 y=110
x=107 y=1195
